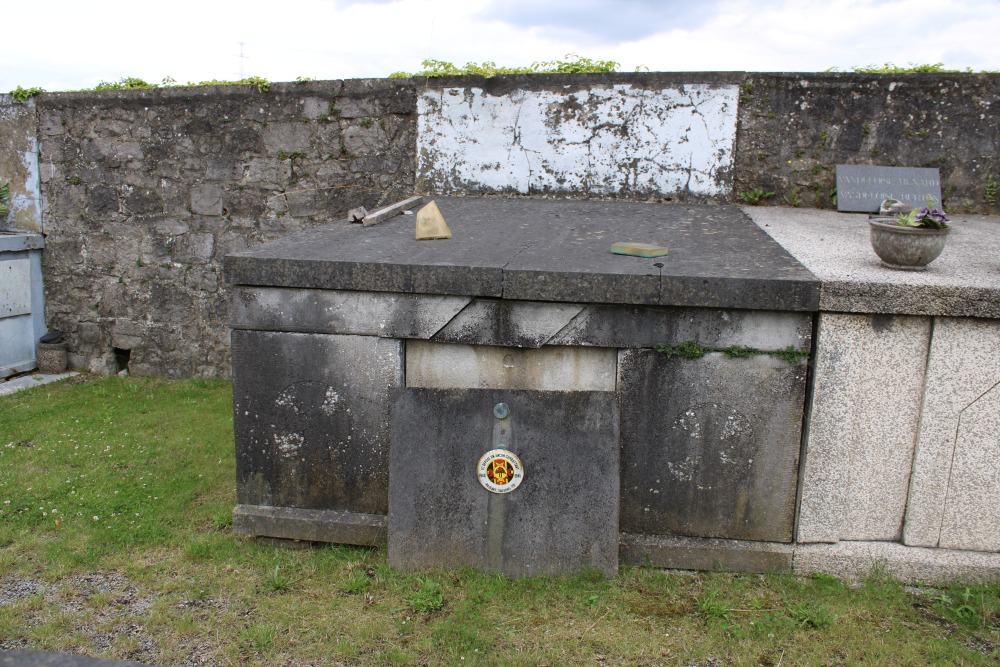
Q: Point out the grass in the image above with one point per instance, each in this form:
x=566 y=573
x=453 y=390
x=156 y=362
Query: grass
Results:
x=159 y=577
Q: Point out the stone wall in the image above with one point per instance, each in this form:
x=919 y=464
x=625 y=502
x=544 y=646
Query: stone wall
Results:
x=795 y=128
x=144 y=193
x=141 y=193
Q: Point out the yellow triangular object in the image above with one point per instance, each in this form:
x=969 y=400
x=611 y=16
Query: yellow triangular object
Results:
x=431 y=224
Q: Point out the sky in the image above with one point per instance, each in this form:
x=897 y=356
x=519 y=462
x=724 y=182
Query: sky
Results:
x=63 y=45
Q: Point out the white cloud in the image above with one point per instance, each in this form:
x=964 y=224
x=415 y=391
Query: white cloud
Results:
x=72 y=45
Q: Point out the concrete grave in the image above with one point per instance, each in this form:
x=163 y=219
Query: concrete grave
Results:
x=526 y=305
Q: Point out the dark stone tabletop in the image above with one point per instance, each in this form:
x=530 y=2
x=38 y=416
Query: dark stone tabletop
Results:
x=546 y=250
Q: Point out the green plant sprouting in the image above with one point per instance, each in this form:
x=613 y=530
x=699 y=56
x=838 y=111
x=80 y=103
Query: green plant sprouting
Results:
x=990 y=191
x=793 y=197
x=686 y=350
x=890 y=68
x=135 y=83
x=4 y=200
x=23 y=94
x=755 y=196
x=571 y=65
x=428 y=598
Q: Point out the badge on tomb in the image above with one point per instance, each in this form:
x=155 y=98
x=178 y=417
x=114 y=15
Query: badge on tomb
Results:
x=500 y=471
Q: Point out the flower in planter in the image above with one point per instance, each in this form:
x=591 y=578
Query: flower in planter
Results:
x=926 y=216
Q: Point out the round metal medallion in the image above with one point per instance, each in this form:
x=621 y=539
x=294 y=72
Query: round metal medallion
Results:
x=500 y=471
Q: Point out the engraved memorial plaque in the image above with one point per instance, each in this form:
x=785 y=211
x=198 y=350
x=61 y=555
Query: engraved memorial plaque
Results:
x=862 y=188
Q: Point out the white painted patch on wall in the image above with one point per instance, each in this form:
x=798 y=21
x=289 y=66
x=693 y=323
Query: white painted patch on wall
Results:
x=604 y=141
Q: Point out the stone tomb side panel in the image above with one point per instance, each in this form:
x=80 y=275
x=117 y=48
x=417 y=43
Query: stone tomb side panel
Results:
x=710 y=447
x=382 y=314
x=562 y=518
x=557 y=368
x=312 y=419
x=956 y=471
x=867 y=384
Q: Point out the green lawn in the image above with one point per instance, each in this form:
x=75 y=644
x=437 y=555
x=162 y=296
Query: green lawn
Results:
x=115 y=542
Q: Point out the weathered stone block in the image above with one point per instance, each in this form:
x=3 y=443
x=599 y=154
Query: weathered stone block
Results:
x=956 y=473
x=562 y=518
x=268 y=172
x=691 y=553
x=223 y=169
x=623 y=326
x=287 y=137
x=206 y=199
x=508 y=323
x=194 y=248
x=361 y=140
x=914 y=564
x=103 y=200
x=447 y=366
x=315 y=107
x=867 y=384
x=710 y=447
x=383 y=314
x=332 y=526
x=312 y=420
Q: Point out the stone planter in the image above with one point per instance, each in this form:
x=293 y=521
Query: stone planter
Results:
x=907 y=248
x=52 y=358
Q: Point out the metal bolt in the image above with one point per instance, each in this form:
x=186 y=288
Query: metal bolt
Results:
x=500 y=411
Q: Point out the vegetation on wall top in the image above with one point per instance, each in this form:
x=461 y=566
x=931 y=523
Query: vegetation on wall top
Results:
x=573 y=64
x=134 y=83
x=926 y=68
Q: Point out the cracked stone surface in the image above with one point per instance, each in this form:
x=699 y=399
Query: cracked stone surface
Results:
x=606 y=140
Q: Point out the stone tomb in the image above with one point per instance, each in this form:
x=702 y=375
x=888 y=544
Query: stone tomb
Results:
x=367 y=365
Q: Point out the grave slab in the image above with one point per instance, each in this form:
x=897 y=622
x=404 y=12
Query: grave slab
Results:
x=312 y=419
x=867 y=389
x=563 y=518
x=710 y=446
x=952 y=494
x=546 y=250
x=836 y=248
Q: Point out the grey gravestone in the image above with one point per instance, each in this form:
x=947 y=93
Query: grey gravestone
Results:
x=710 y=446
x=862 y=188
x=563 y=518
